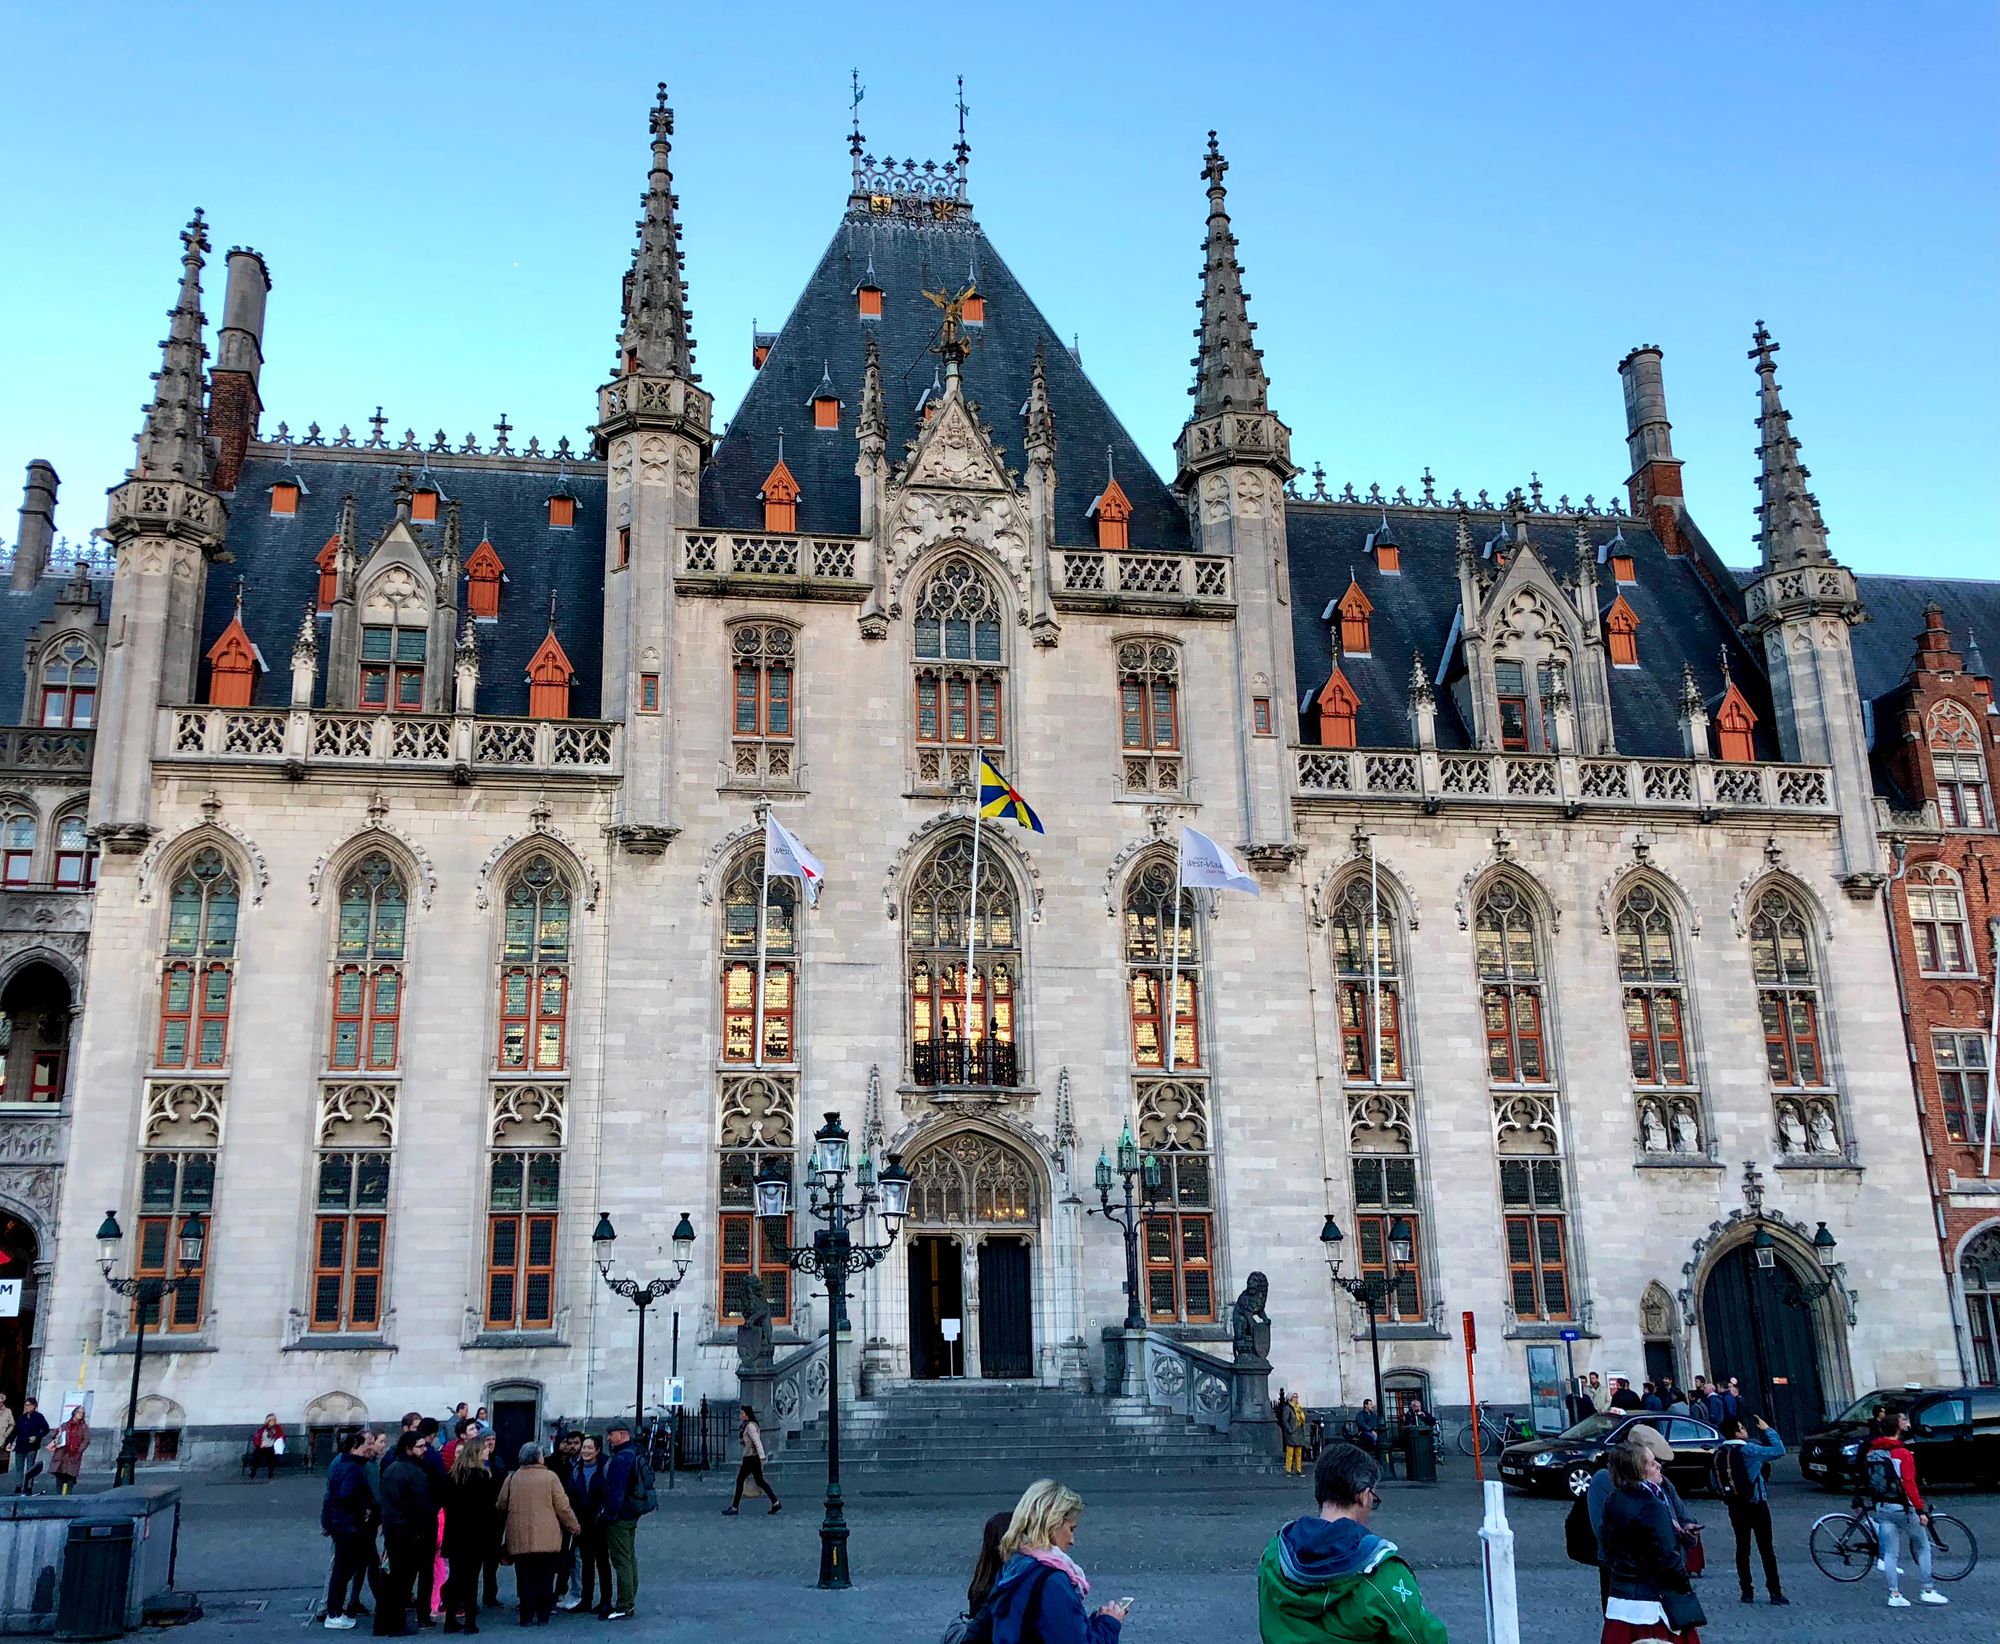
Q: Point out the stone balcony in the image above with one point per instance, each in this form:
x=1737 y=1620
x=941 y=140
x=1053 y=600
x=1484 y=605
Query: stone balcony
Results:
x=799 y=567
x=1096 y=579
x=1568 y=783
x=301 y=741
x=29 y=752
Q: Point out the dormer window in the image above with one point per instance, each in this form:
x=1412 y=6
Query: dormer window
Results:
x=562 y=513
x=392 y=668
x=329 y=576
x=973 y=310
x=483 y=575
x=780 y=497
x=868 y=300
x=1355 y=609
x=1622 y=569
x=285 y=497
x=1621 y=626
x=760 y=346
x=1389 y=559
x=1338 y=710
x=549 y=678
x=1113 y=513
x=424 y=505
x=1734 y=722
x=233 y=666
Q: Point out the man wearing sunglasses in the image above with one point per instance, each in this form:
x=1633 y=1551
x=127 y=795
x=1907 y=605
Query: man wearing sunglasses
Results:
x=1328 y=1577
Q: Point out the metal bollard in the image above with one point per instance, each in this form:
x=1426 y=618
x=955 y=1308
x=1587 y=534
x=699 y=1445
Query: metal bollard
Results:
x=1503 y=1615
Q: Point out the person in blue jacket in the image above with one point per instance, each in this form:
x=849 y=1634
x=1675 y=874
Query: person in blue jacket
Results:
x=1039 y=1596
x=347 y=1515
x=1742 y=1465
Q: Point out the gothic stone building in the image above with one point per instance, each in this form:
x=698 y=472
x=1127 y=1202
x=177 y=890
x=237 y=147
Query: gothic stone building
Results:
x=431 y=877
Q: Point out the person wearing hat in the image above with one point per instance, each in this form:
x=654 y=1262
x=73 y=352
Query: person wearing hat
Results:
x=627 y=1493
x=1601 y=1486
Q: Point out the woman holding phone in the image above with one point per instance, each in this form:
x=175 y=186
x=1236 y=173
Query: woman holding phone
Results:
x=1041 y=1591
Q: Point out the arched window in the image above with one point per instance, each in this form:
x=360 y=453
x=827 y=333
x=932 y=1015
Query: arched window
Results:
x=1364 y=960
x=764 y=664
x=1511 y=988
x=199 y=975
x=1162 y=949
x=534 y=971
x=959 y=677
x=1979 y=1274
x=759 y=1125
x=1532 y=652
x=1657 y=1028
x=69 y=686
x=942 y=1052
x=1788 y=1002
x=76 y=855
x=17 y=843
x=1149 y=716
x=1937 y=921
x=1960 y=768
x=1179 y=1236
x=739 y=964
x=368 y=968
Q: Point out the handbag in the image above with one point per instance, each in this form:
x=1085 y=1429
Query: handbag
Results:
x=1692 y=1551
x=1683 y=1610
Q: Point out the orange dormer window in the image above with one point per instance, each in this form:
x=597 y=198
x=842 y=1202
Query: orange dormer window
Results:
x=483 y=576
x=549 y=679
x=868 y=301
x=974 y=311
x=781 y=499
x=826 y=411
x=1355 y=609
x=424 y=506
x=1621 y=623
x=1113 y=512
x=1338 y=706
x=562 y=513
x=329 y=577
x=759 y=353
x=285 y=497
x=1388 y=559
x=1734 y=722
x=232 y=668
x=1622 y=568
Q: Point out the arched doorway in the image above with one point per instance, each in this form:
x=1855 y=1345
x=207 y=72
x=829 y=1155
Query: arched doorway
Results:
x=1761 y=1326
x=1656 y=1332
x=1979 y=1275
x=18 y=1250
x=34 y=1035
x=975 y=1213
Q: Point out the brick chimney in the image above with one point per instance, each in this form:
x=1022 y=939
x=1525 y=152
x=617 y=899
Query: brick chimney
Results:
x=37 y=533
x=233 y=402
x=1655 y=485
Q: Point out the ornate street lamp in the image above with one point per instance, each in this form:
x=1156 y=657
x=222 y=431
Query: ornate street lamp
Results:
x=1128 y=1219
x=603 y=1242
x=833 y=1256
x=1369 y=1289
x=150 y=1294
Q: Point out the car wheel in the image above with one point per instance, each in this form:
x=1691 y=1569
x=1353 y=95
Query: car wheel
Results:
x=1577 y=1480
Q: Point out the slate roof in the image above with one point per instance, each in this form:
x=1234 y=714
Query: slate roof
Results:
x=825 y=336
x=1886 y=644
x=274 y=555
x=1680 y=620
x=19 y=615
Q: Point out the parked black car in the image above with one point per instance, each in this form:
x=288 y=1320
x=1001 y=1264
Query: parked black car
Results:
x=1562 y=1464
x=1954 y=1436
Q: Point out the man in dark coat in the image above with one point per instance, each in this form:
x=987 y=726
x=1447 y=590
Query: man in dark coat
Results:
x=29 y=1432
x=347 y=1514
x=409 y=1536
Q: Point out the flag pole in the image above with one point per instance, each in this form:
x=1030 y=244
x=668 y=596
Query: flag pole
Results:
x=1174 y=971
x=763 y=898
x=972 y=898
x=1374 y=961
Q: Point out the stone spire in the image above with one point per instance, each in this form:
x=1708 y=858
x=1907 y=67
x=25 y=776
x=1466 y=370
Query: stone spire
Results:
x=1041 y=420
x=656 y=340
x=874 y=420
x=1792 y=531
x=1229 y=369
x=305 y=658
x=171 y=445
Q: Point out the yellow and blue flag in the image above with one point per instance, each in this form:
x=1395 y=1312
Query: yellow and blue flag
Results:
x=998 y=797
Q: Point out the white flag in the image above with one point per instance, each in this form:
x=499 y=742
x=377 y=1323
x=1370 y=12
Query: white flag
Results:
x=1205 y=865
x=786 y=858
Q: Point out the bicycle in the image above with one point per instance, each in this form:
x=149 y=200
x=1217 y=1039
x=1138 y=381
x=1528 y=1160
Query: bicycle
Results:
x=1846 y=1548
x=1488 y=1435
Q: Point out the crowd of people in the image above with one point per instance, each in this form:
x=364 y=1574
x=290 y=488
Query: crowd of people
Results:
x=565 y=1515
x=1713 y=1402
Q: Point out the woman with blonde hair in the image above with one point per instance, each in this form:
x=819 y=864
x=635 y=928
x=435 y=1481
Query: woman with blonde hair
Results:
x=471 y=1529
x=1039 y=1596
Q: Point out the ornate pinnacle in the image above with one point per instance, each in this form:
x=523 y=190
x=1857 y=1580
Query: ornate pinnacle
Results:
x=1586 y=556
x=350 y=543
x=655 y=339
x=1790 y=527
x=468 y=648
x=1691 y=702
x=1421 y=695
x=451 y=538
x=305 y=649
x=1041 y=420
x=171 y=444
x=1466 y=557
x=1229 y=368
x=874 y=423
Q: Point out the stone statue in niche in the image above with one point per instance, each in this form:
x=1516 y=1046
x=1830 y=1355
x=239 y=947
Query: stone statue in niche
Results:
x=1792 y=1131
x=1823 y=1139
x=753 y=1335
x=1655 y=1130
x=1250 y=1324
x=1687 y=1137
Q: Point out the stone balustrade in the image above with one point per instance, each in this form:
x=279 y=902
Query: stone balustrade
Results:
x=721 y=555
x=332 y=739
x=1094 y=579
x=29 y=750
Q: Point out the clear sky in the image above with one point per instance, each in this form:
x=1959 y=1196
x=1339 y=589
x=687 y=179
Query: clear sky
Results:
x=1455 y=219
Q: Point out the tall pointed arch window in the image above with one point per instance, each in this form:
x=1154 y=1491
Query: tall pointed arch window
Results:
x=746 y=883
x=1964 y=799
x=1370 y=985
x=1653 y=978
x=199 y=974
x=534 y=971
x=76 y=854
x=1790 y=1006
x=368 y=968
x=69 y=686
x=1937 y=921
x=1163 y=964
x=960 y=672
x=1179 y=1231
x=762 y=697
x=948 y=1045
x=1512 y=989
x=17 y=843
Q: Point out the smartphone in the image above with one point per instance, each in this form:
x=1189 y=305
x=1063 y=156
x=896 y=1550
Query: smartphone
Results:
x=1127 y=1602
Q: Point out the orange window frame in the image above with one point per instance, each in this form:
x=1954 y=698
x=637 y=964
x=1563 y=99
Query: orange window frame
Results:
x=1528 y=1239
x=1354 y=633
x=374 y=1004
x=1648 y=1041
x=1148 y=1000
x=534 y=1019
x=826 y=412
x=744 y=1248
x=423 y=506
x=562 y=513
x=1791 y=1037
x=1512 y=1036
x=1357 y=1057
x=347 y=1272
x=1260 y=716
x=155 y=1258
x=521 y=1253
x=739 y=1011
x=1149 y=709
x=1179 y=1243
x=195 y=998
x=649 y=693
x=284 y=498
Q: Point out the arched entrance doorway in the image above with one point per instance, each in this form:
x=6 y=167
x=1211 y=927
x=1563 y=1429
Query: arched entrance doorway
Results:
x=1979 y=1274
x=975 y=1214
x=1760 y=1326
x=18 y=1249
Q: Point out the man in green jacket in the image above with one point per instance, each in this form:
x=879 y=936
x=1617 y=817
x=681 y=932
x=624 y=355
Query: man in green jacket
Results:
x=1329 y=1579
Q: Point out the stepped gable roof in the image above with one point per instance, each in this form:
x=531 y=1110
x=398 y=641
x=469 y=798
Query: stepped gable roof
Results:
x=824 y=336
x=20 y=615
x=275 y=557
x=1679 y=621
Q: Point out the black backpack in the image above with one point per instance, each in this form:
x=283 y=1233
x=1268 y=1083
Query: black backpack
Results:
x=1579 y=1539
x=1729 y=1473
x=1885 y=1478
x=640 y=1496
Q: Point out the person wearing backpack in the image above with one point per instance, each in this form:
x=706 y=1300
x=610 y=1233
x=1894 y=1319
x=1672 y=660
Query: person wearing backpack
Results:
x=1040 y=1595
x=628 y=1497
x=1738 y=1474
x=1890 y=1475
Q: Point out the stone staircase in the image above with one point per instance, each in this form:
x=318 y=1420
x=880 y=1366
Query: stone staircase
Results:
x=996 y=1430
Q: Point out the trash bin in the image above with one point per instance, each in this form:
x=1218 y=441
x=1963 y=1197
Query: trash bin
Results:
x=1420 y=1456
x=96 y=1577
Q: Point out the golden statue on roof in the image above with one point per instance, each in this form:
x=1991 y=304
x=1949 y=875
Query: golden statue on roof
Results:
x=951 y=333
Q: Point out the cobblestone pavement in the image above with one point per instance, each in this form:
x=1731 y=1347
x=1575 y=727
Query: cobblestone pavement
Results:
x=1187 y=1549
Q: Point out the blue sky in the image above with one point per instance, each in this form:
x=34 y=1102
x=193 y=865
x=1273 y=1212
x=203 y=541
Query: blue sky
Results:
x=1454 y=219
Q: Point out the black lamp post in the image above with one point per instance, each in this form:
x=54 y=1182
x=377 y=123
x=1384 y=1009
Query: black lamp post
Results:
x=1370 y=1289
x=832 y=1256
x=151 y=1294
x=1128 y=1219
x=1802 y=1296
x=642 y=1296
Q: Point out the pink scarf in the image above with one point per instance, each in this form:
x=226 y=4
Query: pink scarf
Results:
x=1056 y=1559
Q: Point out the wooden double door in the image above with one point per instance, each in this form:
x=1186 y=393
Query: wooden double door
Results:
x=1002 y=1274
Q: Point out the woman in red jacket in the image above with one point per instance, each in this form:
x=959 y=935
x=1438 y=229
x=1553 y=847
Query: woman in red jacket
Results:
x=1900 y=1513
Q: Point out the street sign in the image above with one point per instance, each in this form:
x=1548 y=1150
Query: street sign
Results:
x=677 y=1392
x=1572 y=1335
x=10 y=1298
x=949 y=1328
